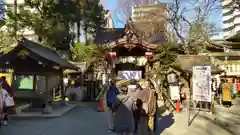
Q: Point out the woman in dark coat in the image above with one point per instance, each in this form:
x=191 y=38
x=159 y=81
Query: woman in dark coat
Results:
x=123 y=107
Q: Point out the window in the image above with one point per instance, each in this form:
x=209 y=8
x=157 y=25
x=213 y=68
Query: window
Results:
x=23 y=83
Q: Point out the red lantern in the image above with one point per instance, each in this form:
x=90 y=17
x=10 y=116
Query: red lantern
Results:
x=183 y=95
x=113 y=54
x=147 y=54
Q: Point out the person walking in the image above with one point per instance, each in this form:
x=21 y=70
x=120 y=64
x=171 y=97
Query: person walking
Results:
x=226 y=94
x=136 y=113
x=3 y=108
x=11 y=93
x=7 y=87
x=146 y=103
x=123 y=108
x=111 y=98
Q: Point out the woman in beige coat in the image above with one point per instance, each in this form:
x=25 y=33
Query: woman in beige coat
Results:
x=3 y=108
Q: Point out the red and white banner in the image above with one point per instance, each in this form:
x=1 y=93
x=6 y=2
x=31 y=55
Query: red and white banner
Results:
x=148 y=54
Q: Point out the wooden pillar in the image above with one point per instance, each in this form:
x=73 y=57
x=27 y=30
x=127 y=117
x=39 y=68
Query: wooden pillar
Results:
x=46 y=87
x=62 y=84
x=62 y=88
x=147 y=69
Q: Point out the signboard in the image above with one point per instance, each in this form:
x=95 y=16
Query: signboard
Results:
x=174 y=92
x=201 y=83
x=132 y=87
x=130 y=74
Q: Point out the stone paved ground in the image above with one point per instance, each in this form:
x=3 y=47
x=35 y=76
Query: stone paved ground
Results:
x=229 y=117
x=199 y=125
x=84 y=120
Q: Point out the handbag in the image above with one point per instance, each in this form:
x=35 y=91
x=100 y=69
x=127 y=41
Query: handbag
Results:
x=9 y=101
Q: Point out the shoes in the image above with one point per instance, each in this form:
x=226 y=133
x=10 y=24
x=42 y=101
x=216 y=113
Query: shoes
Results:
x=112 y=129
x=5 y=123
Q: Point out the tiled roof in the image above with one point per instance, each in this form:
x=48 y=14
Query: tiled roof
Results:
x=111 y=35
x=47 y=54
x=108 y=35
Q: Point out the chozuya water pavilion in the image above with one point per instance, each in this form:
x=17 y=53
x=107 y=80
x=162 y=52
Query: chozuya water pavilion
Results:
x=38 y=71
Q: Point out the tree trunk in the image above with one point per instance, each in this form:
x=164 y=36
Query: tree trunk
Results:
x=162 y=93
x=15 y=12
x=78 y=31
x=86 y=33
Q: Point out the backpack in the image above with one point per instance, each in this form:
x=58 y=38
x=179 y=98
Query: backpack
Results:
x=150 y=106
x=111 y=96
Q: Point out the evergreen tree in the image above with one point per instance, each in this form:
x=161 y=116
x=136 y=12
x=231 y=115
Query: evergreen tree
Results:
x=52 y=20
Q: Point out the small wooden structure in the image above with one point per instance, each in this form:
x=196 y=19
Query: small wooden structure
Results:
x=38 y=71
x=130 y=48
x=185 y=64
x=227 y=55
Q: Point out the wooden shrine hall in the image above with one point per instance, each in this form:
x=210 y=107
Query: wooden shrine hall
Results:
x=37 y=71
x=129 y=51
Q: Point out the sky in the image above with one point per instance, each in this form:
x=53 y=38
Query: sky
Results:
x=113 y=6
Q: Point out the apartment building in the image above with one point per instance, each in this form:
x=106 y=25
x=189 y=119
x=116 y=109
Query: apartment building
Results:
x=150 y=21
x=149 y=12
x=109 y=23
x=231 y=18
x=144 y=2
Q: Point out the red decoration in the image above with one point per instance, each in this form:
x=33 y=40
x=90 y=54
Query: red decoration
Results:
x=238 y=86
x=183 y=95
x=113 y=54
x=148 y=54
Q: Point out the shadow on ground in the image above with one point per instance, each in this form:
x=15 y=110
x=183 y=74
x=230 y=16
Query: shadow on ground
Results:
x=164 y=122
x=220 y=124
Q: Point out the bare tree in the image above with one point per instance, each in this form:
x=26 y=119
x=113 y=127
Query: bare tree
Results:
x=188 y=19
x=235 y=4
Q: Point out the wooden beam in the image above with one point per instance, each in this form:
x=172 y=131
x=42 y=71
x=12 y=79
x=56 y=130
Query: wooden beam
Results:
x=217 y=54
x=226 y=62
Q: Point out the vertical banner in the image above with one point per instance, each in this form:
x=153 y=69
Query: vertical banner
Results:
x=174 y=92
x=201 y=82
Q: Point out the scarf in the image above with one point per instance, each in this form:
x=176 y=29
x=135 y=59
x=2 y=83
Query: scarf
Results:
x=143 y=95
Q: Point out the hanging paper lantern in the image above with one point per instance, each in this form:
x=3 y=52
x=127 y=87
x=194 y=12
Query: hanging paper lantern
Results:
x=147 y=54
